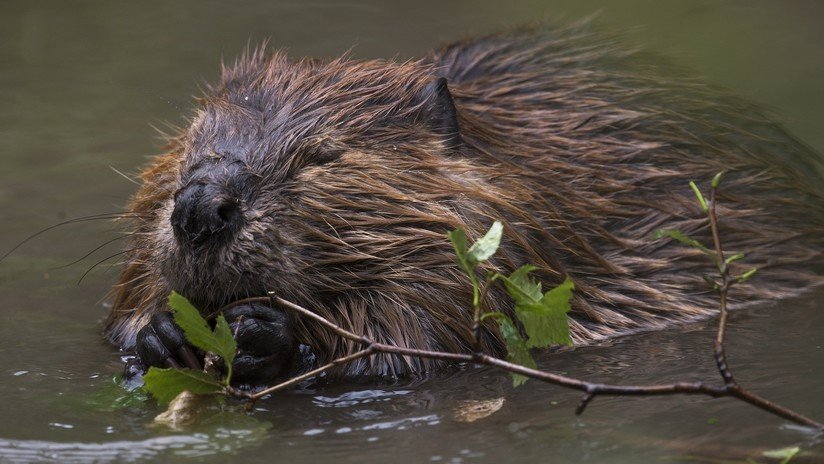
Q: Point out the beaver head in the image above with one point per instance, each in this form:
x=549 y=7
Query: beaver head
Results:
x=293 y=177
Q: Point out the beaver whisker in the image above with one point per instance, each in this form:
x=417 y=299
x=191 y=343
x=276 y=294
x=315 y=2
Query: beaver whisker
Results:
x=107 y=242
x=93 y=217
x=121 y=253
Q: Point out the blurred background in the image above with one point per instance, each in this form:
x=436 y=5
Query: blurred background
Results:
x=83 y=83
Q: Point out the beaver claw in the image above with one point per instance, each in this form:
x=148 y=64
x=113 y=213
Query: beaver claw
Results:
x=266 y=347
x=161 y=343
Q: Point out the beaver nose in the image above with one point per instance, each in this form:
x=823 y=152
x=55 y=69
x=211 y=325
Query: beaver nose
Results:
x=205 y=214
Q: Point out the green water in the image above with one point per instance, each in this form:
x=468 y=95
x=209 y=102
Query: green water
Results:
x=82 y=84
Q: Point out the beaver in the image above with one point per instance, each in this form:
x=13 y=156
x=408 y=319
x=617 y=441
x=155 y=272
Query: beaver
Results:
x=333 y=183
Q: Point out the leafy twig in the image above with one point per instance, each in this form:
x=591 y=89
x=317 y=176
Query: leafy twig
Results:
x=590 y=389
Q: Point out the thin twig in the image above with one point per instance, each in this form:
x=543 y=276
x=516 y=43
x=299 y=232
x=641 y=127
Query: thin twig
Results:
x=476 y=318
x=723 y=290
x=294 y=380
x=590 y=389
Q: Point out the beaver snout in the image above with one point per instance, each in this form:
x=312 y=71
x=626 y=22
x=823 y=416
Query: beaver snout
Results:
x=205 y=214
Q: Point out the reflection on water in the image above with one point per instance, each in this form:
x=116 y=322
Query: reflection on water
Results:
x=81 y=85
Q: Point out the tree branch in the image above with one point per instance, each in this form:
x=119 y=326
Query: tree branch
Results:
x=591 y=390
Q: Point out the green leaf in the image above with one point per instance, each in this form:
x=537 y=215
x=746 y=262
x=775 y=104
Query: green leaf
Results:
x=197 y=330
x=165 y=384
x=459 y=243
x=747 y=275
x=701 y=200
x=548 y=323
x=543 y=315
x=734 y=258
x=716 y=181
x=480 y=251
x=188 y=318
x=516 y=348
x=521 y=288
x=785 y=454
x=487 y=245
x=683 y=238
x=225 y=340
x=560 y=296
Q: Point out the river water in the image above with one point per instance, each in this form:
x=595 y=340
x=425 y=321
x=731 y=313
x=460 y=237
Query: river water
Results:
x=83 y=84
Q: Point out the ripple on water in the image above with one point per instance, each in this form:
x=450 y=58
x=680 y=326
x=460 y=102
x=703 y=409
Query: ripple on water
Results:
x=354 y=398
x=14 y=451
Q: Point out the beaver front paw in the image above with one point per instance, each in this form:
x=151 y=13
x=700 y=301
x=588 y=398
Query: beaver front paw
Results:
x=161 y=343
x=266 y=346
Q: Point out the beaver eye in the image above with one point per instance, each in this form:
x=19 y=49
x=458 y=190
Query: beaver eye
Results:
x=324 y=157
x=316 y=157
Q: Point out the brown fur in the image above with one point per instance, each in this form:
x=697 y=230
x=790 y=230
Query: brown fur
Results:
x=581 y=146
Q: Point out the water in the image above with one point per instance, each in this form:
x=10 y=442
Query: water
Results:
x=81 y=86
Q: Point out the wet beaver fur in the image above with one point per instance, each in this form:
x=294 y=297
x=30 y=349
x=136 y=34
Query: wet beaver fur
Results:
x=334 y=182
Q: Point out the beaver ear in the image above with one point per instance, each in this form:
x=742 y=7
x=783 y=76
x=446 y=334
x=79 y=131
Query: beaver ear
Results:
x=439 y=111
